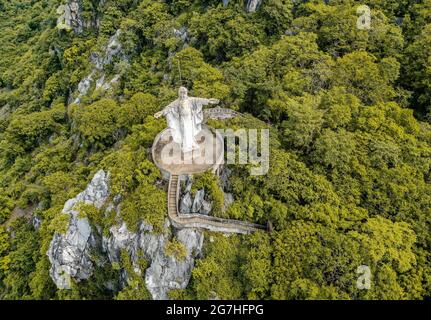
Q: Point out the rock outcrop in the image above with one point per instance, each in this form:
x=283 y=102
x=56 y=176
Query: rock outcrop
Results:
x=84 y=86
x=69 y=253
x=100 y=60
x=186 y=203
x=70 y=17
x=197 y=204
x=164 y=272
x=182 y=33
x=252 y=5
x=5 y=112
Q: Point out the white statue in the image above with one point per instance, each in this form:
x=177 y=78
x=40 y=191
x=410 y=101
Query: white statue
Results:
x=185 y=118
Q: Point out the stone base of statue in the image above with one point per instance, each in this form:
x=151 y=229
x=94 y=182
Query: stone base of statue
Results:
x=169 y=157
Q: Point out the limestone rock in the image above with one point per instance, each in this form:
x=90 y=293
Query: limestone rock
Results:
x=5 y=111
x=70 y=256
x=182 y=34
x=70 y=16
x=197 y=202
x=228 y=200
x=188 y=183
x=100 y=60
x=206 y=207
x=252 y=5
x=224 y=178
x=69 y=253
x=167 y=273
x=35 y=222
x=197 y=205
x=83 y=87
x=120 y=238
x=186 y=203
x=186 y=200
x=96 y=60
x=164 y=273
x=113 y=48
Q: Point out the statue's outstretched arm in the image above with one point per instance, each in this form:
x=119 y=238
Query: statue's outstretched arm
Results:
x=204 y=101
x=165 y=111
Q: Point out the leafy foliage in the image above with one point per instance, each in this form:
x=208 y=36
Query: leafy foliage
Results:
x=348 y=110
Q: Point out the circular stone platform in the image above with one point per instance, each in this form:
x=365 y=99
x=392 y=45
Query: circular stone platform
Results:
x=167 y=154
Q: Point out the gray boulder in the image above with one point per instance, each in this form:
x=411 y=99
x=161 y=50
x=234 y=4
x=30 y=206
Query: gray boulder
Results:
x=70 y=16
x=70 y=256
x=197 y=202
x=113 y=48
x=164 y=272
x=206 y=207
x=186 y=203
x=253 y=5
x=187 y=181
x=228 y=200
x=69 y=253
x=182 y=34
x=167 y=273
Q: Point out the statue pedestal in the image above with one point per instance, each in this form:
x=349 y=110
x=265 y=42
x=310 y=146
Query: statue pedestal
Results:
x=169 y=157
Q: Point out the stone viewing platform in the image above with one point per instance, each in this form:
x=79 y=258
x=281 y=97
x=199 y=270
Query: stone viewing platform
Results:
x=168 y=156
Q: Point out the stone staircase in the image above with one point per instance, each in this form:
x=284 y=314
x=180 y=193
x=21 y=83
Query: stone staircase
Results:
x=202 y=221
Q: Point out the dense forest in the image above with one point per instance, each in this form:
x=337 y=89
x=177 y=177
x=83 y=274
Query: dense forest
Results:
x=349 y=114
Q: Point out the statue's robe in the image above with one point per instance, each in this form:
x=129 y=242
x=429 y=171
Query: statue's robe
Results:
x=185 y=120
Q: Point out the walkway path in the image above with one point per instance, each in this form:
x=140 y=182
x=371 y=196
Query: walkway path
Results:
x=202 y=221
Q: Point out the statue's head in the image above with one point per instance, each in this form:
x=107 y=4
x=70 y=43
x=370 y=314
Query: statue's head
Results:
x=182 y=93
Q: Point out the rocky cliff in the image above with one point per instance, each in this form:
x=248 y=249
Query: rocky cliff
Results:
x=100 y=60
x=70 y=16
x=70 y=253
x=252 y=5
x=164 y=272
